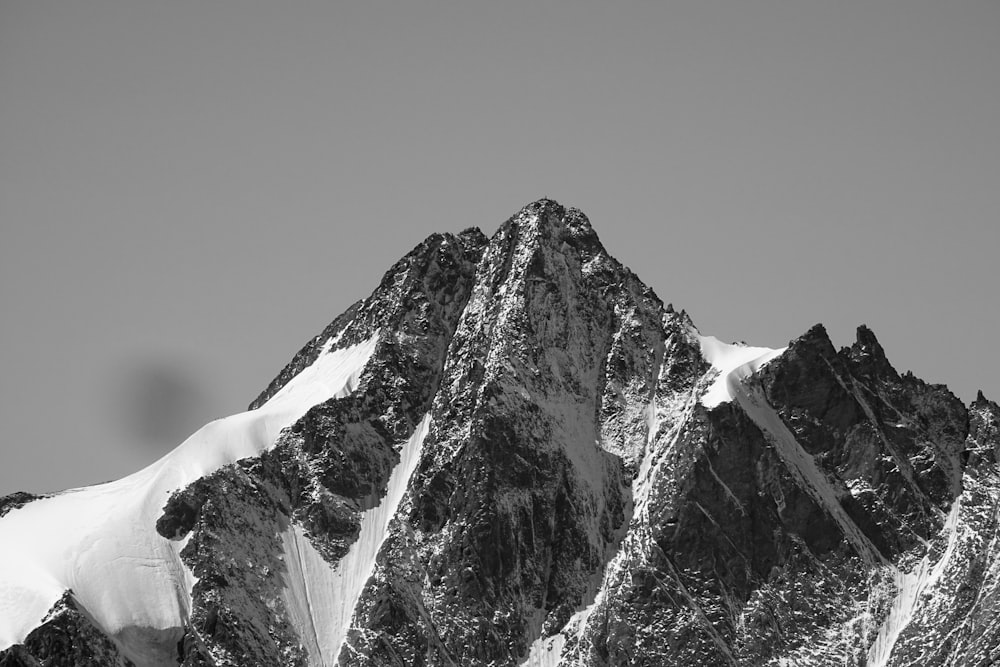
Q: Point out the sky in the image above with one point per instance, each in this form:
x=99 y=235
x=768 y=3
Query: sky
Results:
x=190 y=190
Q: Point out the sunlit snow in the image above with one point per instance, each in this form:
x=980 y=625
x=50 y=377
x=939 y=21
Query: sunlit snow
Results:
x=101 y=541
x=733 y=361
x=321 y=598
x=545 y=652
x=910 y=586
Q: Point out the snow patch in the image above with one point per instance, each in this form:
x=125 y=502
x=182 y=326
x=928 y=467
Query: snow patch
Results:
x=101 y=541
x=321 y=598
x=910 y=586
x=307 y=593
x=731 y=360
x=545 y=652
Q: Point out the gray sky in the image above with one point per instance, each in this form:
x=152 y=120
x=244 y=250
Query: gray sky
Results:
x=191 y=189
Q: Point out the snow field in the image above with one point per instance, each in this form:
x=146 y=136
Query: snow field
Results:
x=101 y=541
x=734 y=362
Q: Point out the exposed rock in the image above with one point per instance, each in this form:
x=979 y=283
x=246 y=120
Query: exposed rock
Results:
x=65 y=638
x=16 y=500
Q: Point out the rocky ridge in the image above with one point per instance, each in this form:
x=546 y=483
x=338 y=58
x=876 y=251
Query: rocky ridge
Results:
x=527 y=473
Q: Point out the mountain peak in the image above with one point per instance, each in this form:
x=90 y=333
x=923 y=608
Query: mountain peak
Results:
x=547 y=221
x=506 y=455
x=542 y=206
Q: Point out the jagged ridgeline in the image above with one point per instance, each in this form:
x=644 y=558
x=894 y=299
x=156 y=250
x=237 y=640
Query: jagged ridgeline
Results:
x=513 y=453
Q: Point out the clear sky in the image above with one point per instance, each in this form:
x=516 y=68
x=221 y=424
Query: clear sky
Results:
x=189 y=190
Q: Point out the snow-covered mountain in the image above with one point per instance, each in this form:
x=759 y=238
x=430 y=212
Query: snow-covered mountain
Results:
x=513 y=453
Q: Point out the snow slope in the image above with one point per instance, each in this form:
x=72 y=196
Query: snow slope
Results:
x=734 y=362
x=910 y=587
x=546 y=652
x=321 y=598
x=101 y=541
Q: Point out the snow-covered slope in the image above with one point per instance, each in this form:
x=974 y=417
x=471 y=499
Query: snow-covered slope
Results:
x=734 y=363
x=322 y=597
x=101 y=542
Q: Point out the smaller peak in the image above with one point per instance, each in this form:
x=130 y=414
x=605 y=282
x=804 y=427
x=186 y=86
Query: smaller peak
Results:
x=816 y=332
x=865 y=336
x=472 y=233
x=867 y=355
x=815 y=341
x=983 y=402
x=473 y=240
x=680 y=322
x=867 y=343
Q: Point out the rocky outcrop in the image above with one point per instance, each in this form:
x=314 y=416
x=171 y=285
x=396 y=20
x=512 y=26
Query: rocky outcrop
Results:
x=65 y=638
x=526 y=473
x=16 y=500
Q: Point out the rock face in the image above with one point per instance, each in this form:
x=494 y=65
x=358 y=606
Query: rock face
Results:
x=528 y=471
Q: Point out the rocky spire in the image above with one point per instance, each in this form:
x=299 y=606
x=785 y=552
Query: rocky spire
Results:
x=867 y=356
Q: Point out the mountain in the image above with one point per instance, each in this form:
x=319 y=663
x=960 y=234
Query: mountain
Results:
x=513 y=453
